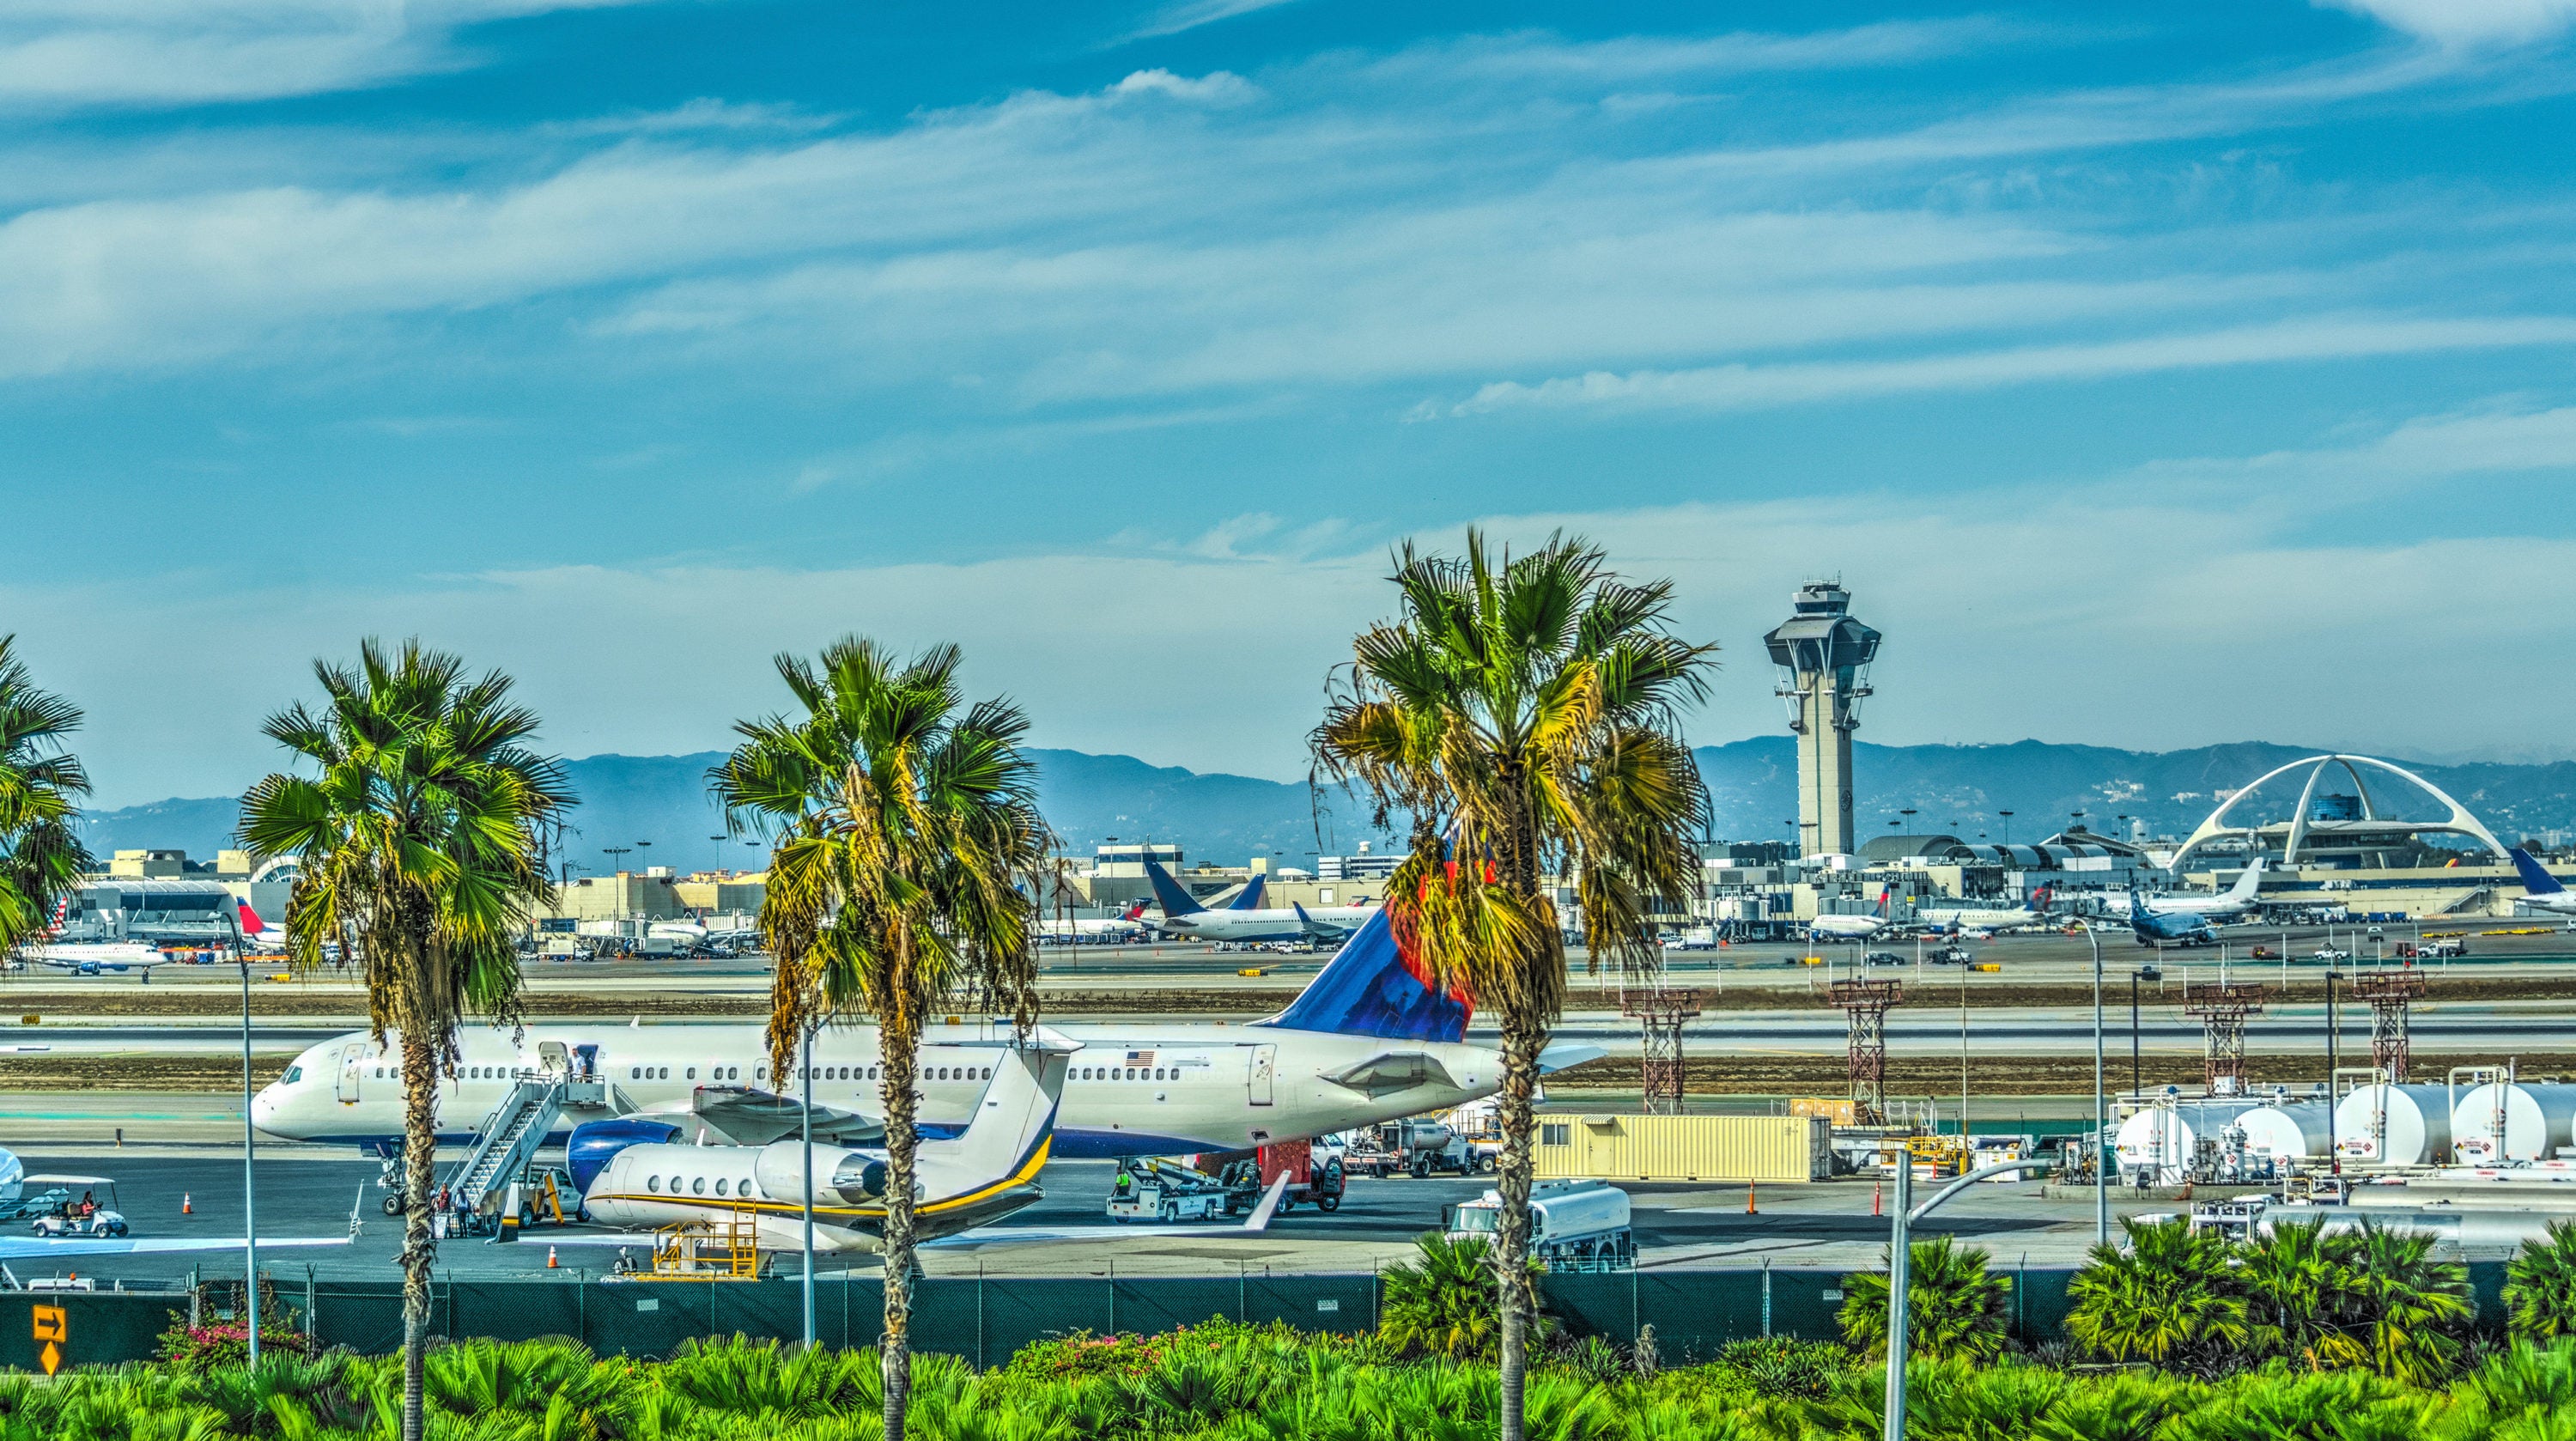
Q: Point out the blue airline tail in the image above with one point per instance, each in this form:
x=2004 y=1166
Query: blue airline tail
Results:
x=1174 y=897
x=1371 y=988
x=2536 y=880
x=1249 y=899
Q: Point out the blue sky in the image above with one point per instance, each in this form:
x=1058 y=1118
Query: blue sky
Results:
x=2154 y=375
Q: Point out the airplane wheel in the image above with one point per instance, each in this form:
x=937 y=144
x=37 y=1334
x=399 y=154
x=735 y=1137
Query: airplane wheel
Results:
x=394 y=1204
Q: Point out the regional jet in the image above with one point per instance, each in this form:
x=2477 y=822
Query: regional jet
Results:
x=2540 y=889
x=1850 y=928
x=2179 y=928
x=1370 y=1039
x=1184 y=916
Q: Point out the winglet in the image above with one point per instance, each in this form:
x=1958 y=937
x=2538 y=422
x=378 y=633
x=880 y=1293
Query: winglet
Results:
x=1259 y=1220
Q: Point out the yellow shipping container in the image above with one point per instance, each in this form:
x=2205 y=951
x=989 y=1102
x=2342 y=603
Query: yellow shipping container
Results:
x=1575 y=1145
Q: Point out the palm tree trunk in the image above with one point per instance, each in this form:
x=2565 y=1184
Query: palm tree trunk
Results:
x=420 y=1150
x=899 y=1041
x=1522 y=1039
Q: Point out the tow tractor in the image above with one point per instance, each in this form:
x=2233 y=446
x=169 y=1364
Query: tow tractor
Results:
x=67 y=1218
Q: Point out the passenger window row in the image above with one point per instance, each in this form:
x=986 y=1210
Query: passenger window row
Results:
x=1126 y=1073
x=698 y=1186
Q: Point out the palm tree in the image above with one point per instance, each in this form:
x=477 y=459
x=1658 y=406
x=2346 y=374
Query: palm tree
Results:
x=2296 y=1283
x=418 y=836
x=2540 y=1286
x=2164 y=1299
x=1954 y=1307
x=1522 y=716
x=41 y=858
x=2410 y=1308
x=905 y=826
x=1443 y=1303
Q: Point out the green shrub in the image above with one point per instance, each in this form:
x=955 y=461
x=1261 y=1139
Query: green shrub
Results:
x=2540 y=1286
x=1953 y=1305
x=1783 y=1366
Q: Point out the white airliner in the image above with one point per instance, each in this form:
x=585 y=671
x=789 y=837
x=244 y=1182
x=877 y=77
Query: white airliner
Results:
x=1984 y=918
x=632 y=1180
x=94 y=958
x=1850 y=928
x=1369 y=1040
x=2235 y=901
x=2541 y=890
x=1184 y=916
x=1108 y=929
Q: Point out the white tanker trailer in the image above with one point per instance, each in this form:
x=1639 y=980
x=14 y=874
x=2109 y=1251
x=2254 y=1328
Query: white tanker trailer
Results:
x=1574 y=1225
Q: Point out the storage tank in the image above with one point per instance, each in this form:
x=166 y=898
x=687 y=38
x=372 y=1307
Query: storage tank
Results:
x=2510 y=1121
x=2155 y=1147
x=2287 y=1133
x=2385 y=1125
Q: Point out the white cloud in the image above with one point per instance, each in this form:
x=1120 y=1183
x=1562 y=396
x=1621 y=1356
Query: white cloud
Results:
x=1988 y=613
x=1751 y=387
x=66 y=54
x=2469 y=22
x=1215 y=88
x=1174 y=19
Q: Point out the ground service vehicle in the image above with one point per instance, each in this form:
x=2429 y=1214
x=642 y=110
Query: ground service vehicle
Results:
x=1574 y=1225
x=81 y=1216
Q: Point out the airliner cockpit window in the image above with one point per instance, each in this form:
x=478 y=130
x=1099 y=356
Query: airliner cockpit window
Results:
x=293 y=1075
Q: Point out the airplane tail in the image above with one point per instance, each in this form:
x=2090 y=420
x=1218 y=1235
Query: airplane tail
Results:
x=2247 y=880
x=251 y=925
x=1249 y=899
x=1174 y=897
x=2536 y=879
x=1015 y=1120
x=1135 y=912
x=1377 y=986
x=1883 y=893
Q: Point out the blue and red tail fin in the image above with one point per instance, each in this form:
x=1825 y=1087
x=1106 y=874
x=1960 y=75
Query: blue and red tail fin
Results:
x=1135 y=912
x=1249 y=898
x=1174 y=897
x=1372 y=987
x=251 y=924
x=2536 y=879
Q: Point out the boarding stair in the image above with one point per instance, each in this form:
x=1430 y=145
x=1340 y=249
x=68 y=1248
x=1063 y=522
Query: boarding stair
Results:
x=515 y=1130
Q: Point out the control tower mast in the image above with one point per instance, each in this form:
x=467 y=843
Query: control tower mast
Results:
x=1823 y=656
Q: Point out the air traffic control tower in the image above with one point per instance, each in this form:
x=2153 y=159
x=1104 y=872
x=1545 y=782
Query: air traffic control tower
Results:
x=1824 y=655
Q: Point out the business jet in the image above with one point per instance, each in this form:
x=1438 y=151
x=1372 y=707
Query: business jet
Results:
x=2541 y=890
x=2235 y=901
x=1371 y=1039
x=1109 y=929
x=1184 y=916
x=1850 y=928
x=634 y=1180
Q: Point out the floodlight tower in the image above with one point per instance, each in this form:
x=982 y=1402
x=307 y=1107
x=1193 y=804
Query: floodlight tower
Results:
x=1823 y=656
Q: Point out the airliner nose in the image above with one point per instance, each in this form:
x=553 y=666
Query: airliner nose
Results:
x=264 y=1108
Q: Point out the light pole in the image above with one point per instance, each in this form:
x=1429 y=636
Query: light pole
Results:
x=1900 y=1271
x=1909 y=813
x=2007 y=815
x=805 y=1124
x=2101 y=1105
x=250 y=1146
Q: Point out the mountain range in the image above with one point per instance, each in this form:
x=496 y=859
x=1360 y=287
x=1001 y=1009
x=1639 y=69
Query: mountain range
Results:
x=657 y=806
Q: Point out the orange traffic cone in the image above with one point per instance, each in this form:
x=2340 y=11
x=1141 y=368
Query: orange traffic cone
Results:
x=1751 y=1206
x=186 y=1208
x=550 y=1258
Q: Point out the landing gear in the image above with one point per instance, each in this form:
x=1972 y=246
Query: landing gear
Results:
x=393 y=1203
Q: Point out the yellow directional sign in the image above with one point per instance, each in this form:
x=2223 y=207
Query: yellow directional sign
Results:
x=53 y=1327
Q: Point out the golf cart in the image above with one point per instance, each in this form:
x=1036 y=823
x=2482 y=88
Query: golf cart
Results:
x=81 y=1216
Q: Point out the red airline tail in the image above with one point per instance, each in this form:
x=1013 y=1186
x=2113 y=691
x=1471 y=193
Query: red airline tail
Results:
x=251 y=924
x=1135 y=912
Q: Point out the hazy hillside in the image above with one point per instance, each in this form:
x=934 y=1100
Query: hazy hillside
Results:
x=1226 y=818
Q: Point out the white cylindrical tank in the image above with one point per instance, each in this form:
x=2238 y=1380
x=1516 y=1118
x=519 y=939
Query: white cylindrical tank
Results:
x=2155 y=1146
x=2394 y=1126
x=2509 y=1121
x=2287 y=1133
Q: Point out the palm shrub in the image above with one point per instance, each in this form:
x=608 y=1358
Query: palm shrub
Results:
x=1522 y=715
x=2411 y=1312
x=2540 y=1286
x=418 y=829
x=905 y=823
x=41 y=782
x=2296 y=1283
x=1443 y=1302
x=2165 y=1298
x=1954 y=1306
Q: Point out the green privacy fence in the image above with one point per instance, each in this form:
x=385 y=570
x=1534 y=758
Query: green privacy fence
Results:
x=985 y=1319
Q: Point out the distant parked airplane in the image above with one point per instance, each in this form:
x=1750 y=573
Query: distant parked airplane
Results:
x=1184 y=916
x=2540 y=889
x=2235 y=901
